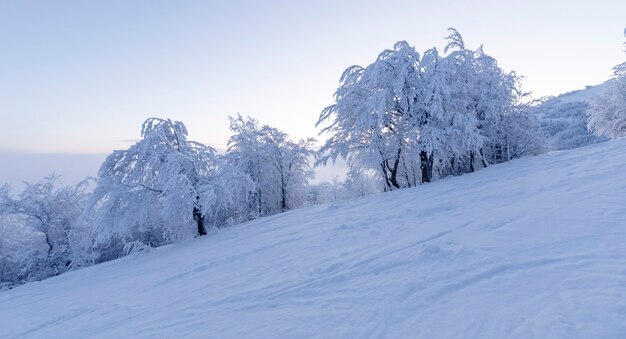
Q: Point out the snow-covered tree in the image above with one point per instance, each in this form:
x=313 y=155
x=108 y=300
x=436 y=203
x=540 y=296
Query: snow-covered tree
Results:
x=327 y=192
x=164 y=188
x=278 y=166
x=369 y=123
x=607 y=114
x=490 y=103
x=38 y=228
x=360 y=183
x=247 y=153
x=23 y=252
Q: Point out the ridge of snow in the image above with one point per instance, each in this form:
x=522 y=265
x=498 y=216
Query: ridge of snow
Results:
x=582 y=95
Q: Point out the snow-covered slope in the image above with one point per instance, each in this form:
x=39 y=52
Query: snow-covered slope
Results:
x=532 y=248
x=582 y=95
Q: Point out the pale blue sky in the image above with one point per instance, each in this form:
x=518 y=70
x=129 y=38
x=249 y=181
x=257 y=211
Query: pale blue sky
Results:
x=81 y=76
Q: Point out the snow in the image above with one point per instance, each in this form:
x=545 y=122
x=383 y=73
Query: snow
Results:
x=582 y=95
x=531 y=248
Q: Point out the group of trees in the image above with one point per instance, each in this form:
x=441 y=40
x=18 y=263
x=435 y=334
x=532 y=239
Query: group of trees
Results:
x=358 y=183
x=413 y=117
x=166 y=188
x=404 y=120
x=163 y=189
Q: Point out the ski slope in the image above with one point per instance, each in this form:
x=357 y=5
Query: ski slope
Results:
x=535 y=248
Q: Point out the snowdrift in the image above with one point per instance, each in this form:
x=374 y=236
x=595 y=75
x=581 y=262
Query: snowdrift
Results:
x=531 y=248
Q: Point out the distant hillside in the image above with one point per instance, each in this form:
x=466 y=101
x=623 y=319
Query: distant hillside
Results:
x=563 y=119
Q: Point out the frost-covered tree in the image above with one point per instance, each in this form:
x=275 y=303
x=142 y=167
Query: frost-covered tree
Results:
x=490 y=104
x=359 y=183
x=607 y=114
x=39 y=229
x=23 y=252
x=247 y=153
x=164 y=188
x=461 y=106
x=291 y=164
x=519 y=135
x=278 y=166
x=607 y=111
x=327 y=192
x=370 y=123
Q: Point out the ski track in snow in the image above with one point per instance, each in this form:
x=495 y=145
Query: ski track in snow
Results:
x=535 y=248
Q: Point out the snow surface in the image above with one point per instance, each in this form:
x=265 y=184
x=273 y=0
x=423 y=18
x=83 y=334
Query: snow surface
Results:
x=531 y=248
x=583 y=95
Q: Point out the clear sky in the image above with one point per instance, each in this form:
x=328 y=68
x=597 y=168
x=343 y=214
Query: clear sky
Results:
x=81 y=76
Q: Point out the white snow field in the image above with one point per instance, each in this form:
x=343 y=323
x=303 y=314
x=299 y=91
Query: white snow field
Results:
x=535 y=248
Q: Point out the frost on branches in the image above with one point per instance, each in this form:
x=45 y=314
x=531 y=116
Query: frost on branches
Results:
x=278 y=166
x=39 y=237
x=163 y=189
x=412 y=118
x=607 y=114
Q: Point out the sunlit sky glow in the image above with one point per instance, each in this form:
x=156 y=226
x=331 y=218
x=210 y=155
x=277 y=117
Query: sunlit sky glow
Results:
x=81 y=76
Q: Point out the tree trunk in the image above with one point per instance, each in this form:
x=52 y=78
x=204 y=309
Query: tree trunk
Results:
x=53 y=265
x=482 y=158
x=48 y=243
x=452 y=170
x=197 y=216
x=498 y=153
x=406 y=173
x=394 y=171
x=283 y=200
x=471 y=163
x=426 y=164
x=387 y=183
x=283 y=203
